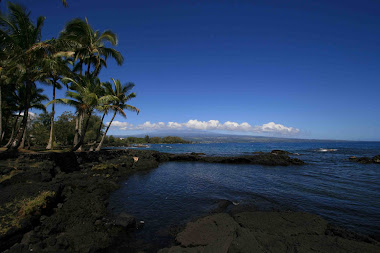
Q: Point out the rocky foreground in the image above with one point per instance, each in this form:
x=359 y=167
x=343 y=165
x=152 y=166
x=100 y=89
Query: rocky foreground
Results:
x=267 y=232
x=57 y=202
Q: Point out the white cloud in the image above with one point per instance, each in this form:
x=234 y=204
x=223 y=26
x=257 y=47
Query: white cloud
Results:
x=31 y=115
x=278 y=128
x=121 y=125
x=269 y=128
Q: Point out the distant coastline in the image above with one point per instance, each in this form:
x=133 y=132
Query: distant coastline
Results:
x=206 y=137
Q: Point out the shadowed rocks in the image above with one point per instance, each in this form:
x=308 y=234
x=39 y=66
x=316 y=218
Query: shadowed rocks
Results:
x=264 y=232
x=270 y=159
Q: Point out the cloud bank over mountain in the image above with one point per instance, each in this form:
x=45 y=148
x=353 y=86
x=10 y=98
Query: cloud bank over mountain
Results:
x=193 y=124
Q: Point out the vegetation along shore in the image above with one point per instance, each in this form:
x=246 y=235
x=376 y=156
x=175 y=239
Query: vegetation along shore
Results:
x=74 y=61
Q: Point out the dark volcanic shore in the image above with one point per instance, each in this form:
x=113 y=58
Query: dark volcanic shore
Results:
x=266 y=232
x=57 y=202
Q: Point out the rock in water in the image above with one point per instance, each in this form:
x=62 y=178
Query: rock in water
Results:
x=365 y=160
x=353 y=158
x=376 y=159
x=125 y=220
x=280 y=152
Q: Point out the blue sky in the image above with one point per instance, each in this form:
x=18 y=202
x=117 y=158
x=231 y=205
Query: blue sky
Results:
x=310 y=66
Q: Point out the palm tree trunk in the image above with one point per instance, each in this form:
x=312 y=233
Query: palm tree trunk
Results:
x=98 y=133
x=17 y=141
x=13 y=132
x=80 y=129
x=51 y=138
x=105 y=133
x=10 y=138
x=22 y=145
x=81 y=66
x=1 y=117
x=82 y=135
x=3 y=133
x=89 y=66
x=76 y=136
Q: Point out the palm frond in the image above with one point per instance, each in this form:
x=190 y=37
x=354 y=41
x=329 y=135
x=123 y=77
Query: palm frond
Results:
x=110 y=52
x=64 y=3
x=108 y=36
x=132 y=108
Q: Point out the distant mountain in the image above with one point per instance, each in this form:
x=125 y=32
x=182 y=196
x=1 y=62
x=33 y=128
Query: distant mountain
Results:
x=207 y=137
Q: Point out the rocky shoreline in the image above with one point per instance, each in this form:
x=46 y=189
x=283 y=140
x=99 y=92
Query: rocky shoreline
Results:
x=57 y=202
x=267 y=232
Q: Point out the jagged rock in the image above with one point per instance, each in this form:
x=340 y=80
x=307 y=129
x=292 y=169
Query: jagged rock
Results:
x=26 y=238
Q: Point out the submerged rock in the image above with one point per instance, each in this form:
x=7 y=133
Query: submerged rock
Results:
x=221 y=206
x=264 y=232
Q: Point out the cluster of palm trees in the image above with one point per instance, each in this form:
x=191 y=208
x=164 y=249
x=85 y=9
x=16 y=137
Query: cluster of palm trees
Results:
x=74 y=60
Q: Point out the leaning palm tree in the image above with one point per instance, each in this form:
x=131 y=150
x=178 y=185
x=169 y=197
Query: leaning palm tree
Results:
x=90 y=45
x=85 y=97
x=36 y=99
x=20 y=38
x=122 y=95
x=102 y=108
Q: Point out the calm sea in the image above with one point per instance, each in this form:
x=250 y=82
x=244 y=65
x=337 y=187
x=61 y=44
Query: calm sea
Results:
x=344 y=192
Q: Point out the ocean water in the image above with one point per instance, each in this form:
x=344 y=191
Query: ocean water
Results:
x=343 y=192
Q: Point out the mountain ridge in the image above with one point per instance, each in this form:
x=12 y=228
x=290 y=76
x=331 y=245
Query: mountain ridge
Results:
x=207 y=137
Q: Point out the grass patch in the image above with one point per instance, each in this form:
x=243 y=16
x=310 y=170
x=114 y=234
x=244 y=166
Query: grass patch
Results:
x=36 y=165
x=104 y=166
x=12 y=213
x=10 y=175
x=54 y=150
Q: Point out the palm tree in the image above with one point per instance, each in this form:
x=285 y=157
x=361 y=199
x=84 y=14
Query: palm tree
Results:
x=8 y=106
x=90 y=45
x=103 y=108
x=36 y=99
x=56 y=68
x=85 y=96
x=122 y=95
x=20 y=38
